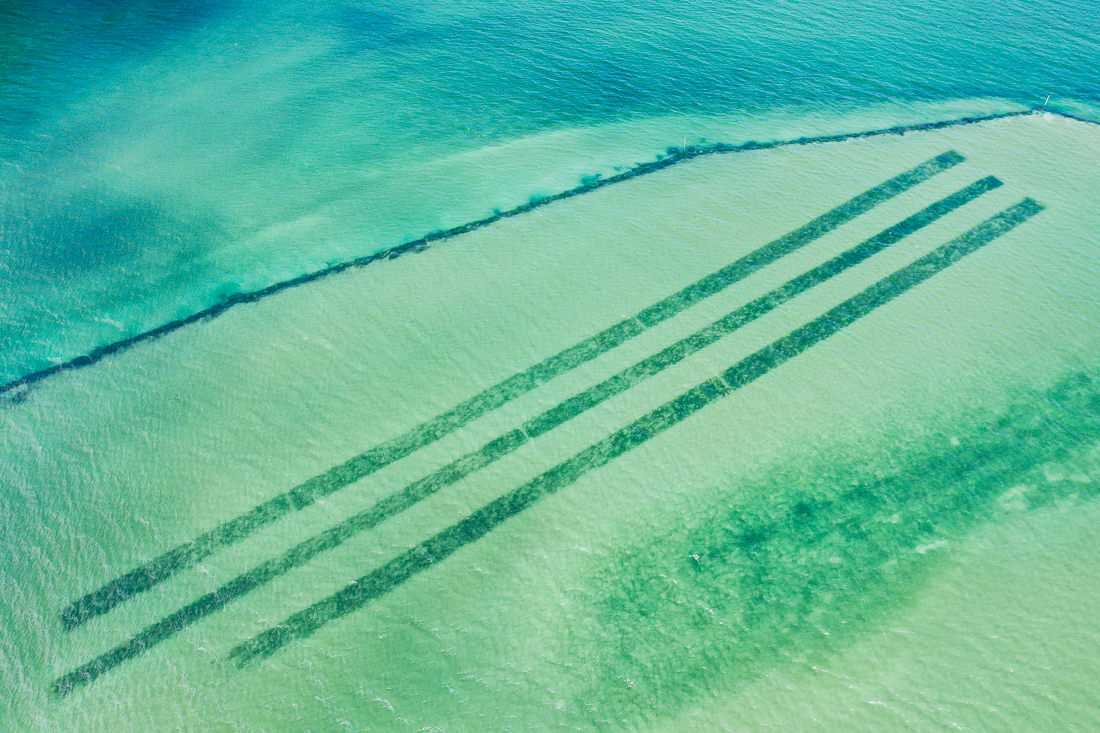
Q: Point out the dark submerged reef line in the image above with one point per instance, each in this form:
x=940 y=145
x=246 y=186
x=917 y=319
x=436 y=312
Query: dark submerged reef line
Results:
x=146 y=576
x=397 y=502
x=816 y=554
x=1067 y=115
x=589 y=184
x=434 y=550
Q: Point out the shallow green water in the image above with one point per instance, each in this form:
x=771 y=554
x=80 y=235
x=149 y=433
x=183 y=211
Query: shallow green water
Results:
x=794 y=545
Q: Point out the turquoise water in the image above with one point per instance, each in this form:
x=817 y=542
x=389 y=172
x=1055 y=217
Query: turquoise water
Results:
x=157 y=160
x=728 y=435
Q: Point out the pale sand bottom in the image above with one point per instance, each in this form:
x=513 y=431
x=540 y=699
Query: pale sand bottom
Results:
x=171 y=439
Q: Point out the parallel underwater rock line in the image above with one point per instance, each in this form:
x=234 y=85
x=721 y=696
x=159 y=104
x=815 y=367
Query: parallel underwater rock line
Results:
x=431 y=552
x=153 y=572
x=548 y=420
x=672 y=157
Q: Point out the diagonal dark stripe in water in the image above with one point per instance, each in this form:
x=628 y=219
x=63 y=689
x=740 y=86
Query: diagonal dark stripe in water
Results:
x=306 y=550
x=155 y=571
x=430 y=552
x=675 y=156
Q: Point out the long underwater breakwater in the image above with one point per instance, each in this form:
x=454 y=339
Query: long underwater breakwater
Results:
x=673 y=156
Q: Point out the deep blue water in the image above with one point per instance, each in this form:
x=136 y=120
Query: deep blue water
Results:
x=157 y=157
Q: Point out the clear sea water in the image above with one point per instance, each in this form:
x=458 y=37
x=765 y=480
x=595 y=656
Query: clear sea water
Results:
x=894 y=528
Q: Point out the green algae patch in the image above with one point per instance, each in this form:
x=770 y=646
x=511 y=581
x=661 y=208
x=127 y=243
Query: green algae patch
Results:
x=823 y=554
